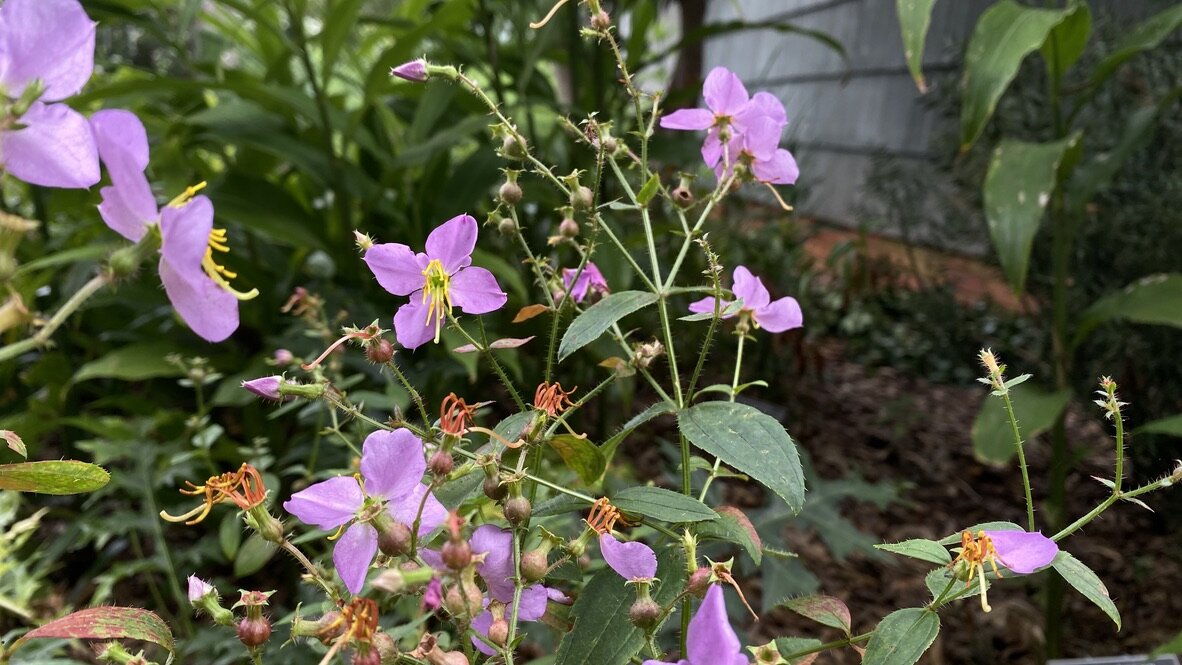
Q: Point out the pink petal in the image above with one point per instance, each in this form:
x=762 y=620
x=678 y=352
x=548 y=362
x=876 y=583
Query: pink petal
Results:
x=761 y=138
x=353 y=553
x=121 y=215
x=198 y=588
x=49 y=40
x=121 y=137
x=481 y=624
x=780 y=315
x=128 y=206
x=185 y=236
x=392 y=463
x=475 y=291
x=1023 y=552
x=397 y=268
x=410 y=323
x=327 y=504
x=452 y=242
x=533 y=603
x=780 y=169
x=711 y=638
x=724 y=92
x=706 y=306
x=406 y=508
x=55 y=148
x=688 y=119
x=712 y=149
x=762 y=104
x=209 y=310
x=751 y=289
x=497 y=569
x=632 y=561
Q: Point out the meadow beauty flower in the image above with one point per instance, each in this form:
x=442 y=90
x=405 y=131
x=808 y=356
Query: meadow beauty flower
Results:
x=436 y=280
x=1021 y=552
x=758 y=149
x=730 y=114
x=711 y=640
x=590 y=282
x=390 y=487
x=49 y=44
x=633 y=560
x=774 y=316
x=196 y=284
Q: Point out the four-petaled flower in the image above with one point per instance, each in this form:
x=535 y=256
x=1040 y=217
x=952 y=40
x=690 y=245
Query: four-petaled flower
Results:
x=589 y=282
x=392 y=468
x=196 y=284
x=437 y=280
x=50 y=44
x=634 y=561
x=773 y=316
x=711 y=640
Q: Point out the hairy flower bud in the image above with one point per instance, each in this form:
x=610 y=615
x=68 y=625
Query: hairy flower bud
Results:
x=254 y=632
x=394 y=539
x=414 y=71
x=386 y=648
x=493 y=488
x=498 y=632
x=568 y=228
x=582 y=198
x=369 y=657
x=456 y=554
x=534 y=565
x=511 y=148
x=441 y=463
x=517 y=510
x=644 y=613
x=601 y=21
x=507 y=226
x=510 y=193
x=699 y=582
x=380 y=352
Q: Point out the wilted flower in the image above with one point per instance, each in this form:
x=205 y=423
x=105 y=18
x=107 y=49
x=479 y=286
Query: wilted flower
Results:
x=778 y=316
x=1022 y=552
x=391 y=487
x=590 y=282
x=46 y=47
x=243 y=487
x=196 y=284
x=633 y=561
x=711 y=640
x=414 y=71
x=436 y=280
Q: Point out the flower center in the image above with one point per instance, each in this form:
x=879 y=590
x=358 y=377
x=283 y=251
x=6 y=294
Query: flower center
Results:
x=436 y=294
x=218 y=272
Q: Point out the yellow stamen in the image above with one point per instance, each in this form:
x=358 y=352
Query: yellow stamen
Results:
x=219 y=273
x=437 y=294
x=184 y=196
x=984 y=598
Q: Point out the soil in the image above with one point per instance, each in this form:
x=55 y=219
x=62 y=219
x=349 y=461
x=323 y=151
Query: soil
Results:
x=903 y=429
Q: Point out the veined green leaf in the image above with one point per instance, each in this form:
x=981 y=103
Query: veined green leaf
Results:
x=1086 y=582
x=662 y=504
x=589 y=325
x=914 y=18
x=53 y=477
x=902 y=637
x=1155 y=300
x=919 y=548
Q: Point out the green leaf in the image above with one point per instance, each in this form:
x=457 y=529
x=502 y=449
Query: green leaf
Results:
x=339 y=23
x=134 y=362
x=602 y=634
x=658 y=409
x=825 y=610
x=1019 y=184
x=902 y=637
x=733 y=526
x=253 y=555
x=662 y=504
x=1148 y=35
x=649 y=190
x=589 y=325
x=939 y=579
x=787 y=646
x=230 y=535
x=1154 y=300
x=105 y=623
x=53 y=477
x=1086 y=582
x=919 y=548
x=1068 y=39
x=1172 y=646
x=1036 y=411
x=581 y=455
x=1005 y=34
x=13 y=442
x=558 y=505
x=750 y=441
x=914 y=18
x=1171 y=426
x=455 y=492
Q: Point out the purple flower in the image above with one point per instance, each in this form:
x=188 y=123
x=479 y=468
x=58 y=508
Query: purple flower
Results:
x=758 y=148
x=730 y=116
x=711 y=640
x=590 y=282
x=436 y=280
x=773 y=316
x=433 y=595
x=52 y=42
x=633 y=561
x=392 y=468
x=196 y=284
x=414 y=71
x=1021 y=551
x=266 y=387
x=198 y=589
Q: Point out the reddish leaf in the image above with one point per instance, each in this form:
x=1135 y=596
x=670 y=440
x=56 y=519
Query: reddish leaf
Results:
x=506 y=343
x=825 y=610
x=14 y=442
x=104 y=623
x=743 y=521
x=528 y=312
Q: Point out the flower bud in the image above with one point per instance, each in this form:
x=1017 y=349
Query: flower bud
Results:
x=644 y=613
x=568 y=228
x=511 y=148
x=368 y=657
x=265 y=524
x=517 y=510
x=456 y=554
x=385 y=647
x=601 y=21
x=254 y=632
x=283 y=357
x=507 y=226
x=362 y=240
x=534 y=565
x=414 y=71
x=493 y=488
x=441 y=463
x=581 y=198
x=510 y=193
x=393 y=538
x=498 y=632
x=699 y=582
x=380 y=352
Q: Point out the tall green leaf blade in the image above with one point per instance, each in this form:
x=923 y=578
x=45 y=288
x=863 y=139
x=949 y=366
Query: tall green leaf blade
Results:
x=1018 y=186
x=53 y=477
x=1005 y=34
x=1148 y=35
x=136 y=362
x=1171 y=426
x=1067 y=40
x=1154 y=300
x=662 y=504
x=750 y=441
x=915 y=16
x=1086 y=582
x=589 y=325
x=602 y=634
x=1035 y=410
x=341 y=17
x=902 y=637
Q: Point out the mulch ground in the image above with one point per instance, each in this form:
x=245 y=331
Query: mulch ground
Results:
x=889 y=427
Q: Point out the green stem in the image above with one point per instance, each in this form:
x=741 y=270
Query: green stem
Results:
x=1021 y=459
x=836 y=644
x=41 y=338
x=518 y=584
x=734 y=393
x=414 y=393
